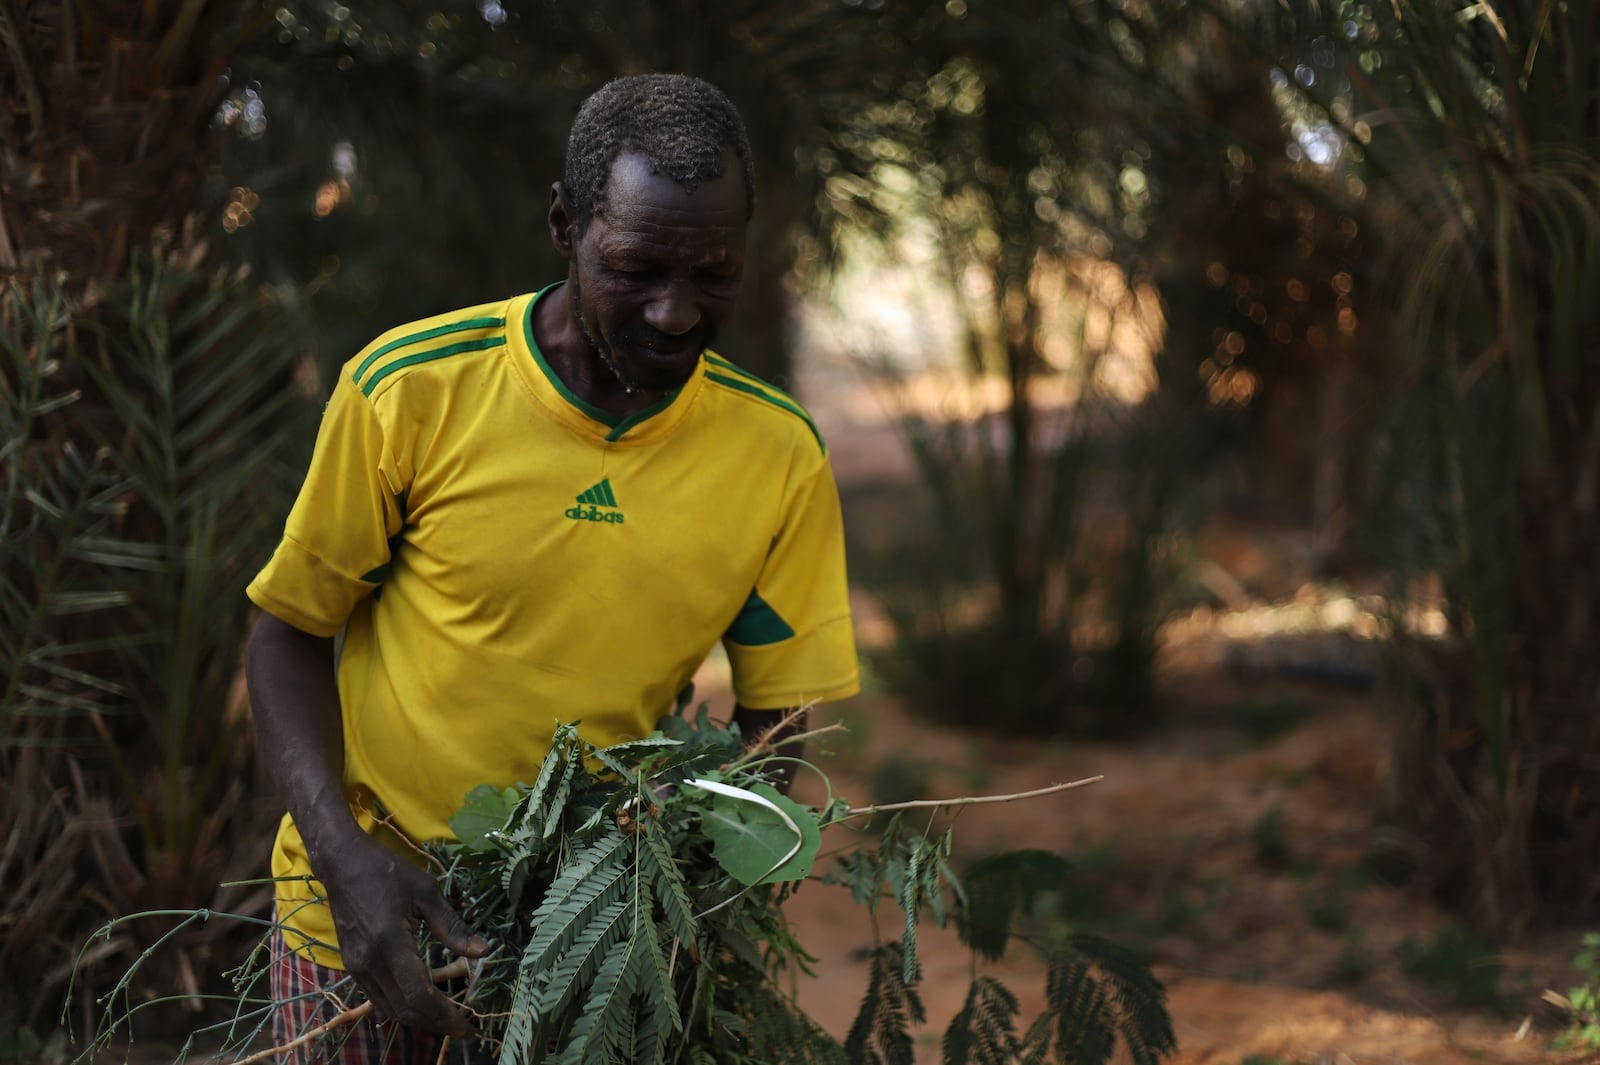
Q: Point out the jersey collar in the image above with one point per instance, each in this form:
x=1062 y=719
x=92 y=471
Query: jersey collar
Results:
x=568 y=407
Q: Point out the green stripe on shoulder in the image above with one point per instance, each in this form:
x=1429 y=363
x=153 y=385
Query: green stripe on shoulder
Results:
x=426 y=334
x=734 y=368
x=748 y=383
x=429 y=356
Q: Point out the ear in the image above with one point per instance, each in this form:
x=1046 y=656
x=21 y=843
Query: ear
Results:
x=563 y=221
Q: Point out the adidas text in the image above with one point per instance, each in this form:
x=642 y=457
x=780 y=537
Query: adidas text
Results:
x=594 y=513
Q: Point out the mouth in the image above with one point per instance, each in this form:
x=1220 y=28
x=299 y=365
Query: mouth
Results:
x=657 y=367
x=668 y=350
x=680 y=353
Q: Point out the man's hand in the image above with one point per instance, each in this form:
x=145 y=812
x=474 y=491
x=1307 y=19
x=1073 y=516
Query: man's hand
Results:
x=378 y=901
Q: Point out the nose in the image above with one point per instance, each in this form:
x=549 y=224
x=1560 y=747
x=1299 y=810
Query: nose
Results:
x=673 y=311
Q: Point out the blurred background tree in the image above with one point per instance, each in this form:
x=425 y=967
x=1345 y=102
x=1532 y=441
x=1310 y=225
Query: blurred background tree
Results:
x=1474 y=140
x=400 y=157
x=1090 y=186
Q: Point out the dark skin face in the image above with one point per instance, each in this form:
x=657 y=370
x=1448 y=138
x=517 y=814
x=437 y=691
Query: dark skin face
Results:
x=650 y=282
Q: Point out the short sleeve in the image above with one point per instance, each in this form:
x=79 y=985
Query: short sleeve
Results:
x=792 y=643
x=337 y=541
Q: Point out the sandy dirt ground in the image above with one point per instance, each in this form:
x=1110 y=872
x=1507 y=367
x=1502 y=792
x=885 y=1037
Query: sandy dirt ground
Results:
x=1255 y=972
x=1246 y=971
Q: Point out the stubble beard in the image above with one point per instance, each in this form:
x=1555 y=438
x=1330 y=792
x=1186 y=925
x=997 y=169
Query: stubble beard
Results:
x=607 y=357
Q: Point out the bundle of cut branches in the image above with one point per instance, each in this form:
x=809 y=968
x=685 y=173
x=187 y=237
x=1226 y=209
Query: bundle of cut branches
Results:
x=633 y=897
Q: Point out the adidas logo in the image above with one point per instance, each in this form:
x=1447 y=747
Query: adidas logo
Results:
x=595 y=498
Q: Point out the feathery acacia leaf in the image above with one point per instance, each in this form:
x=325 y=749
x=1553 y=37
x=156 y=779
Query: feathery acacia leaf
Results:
x=593 y=879
x=1137 y=997
x=606 y=1017
x=656 y=860
x=1001 y=888
x=984 y=1031
x=881 y=1033
x=583 y=962
x=780 y=1031
x=557 y=764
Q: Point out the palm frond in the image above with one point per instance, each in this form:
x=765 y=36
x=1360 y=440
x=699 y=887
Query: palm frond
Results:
x=124 y=562
x=198 y=382
x=58 y=505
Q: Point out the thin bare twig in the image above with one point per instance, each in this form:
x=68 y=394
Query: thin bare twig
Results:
x=971 y=800
x=459 y=967
x=387 y=821
x=800 y=737
x=764 y=744
x=764 y=741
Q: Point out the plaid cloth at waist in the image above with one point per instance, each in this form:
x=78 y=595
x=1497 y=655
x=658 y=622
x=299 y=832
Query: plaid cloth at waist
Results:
x=310 y=995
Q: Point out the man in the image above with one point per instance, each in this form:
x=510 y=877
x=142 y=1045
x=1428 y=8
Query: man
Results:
x=545 y=509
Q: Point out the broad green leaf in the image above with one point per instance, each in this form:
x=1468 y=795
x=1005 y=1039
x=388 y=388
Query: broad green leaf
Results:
x=485 y=810
x=750 y=839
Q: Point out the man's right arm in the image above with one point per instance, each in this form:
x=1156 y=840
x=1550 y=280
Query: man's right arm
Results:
x=377 y=899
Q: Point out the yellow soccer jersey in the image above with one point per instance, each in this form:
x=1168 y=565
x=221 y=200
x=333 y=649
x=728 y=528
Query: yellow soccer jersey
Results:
x=501 y=556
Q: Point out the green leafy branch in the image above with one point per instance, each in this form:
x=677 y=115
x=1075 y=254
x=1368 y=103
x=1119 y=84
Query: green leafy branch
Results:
x=633 y=896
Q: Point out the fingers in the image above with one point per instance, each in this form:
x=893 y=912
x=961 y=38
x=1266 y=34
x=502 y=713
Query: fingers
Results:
x=401 y=989
x=377 y=902
x=423 y=1006
x=448 y=927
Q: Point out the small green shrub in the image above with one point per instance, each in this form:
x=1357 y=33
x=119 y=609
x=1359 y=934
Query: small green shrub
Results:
x=26 y=1045
x=1391 y=857
x=1271 y=843
x=1354 y=963
x=1460 y=964
x=1026 y=587
x=1187 y=909
x=1264 y=720
x=1324 y=907
x=1583 y=1000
